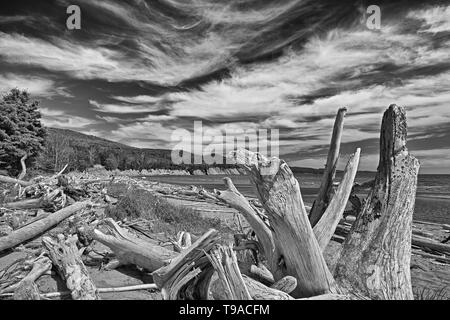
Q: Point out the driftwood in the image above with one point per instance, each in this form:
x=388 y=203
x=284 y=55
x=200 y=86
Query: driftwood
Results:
x=26 y=289
x=416 y=240
x=42 y=202
x=256 y=289
x=375 y=260
x=236 y=200
x=67 y=260
x=286 y=284
x=6 y=179
x=147 y=286
x=324 y=229
x=176 y=279
x=279 y=192
x=323 y=198
x=430 y=244
x=32 y=230
x=130 y=249
x=150 y=255
x=224 y=261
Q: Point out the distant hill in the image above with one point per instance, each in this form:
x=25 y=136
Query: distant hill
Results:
x=80 y=140
x=82 y=151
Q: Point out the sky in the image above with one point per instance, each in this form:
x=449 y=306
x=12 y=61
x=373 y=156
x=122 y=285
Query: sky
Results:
x=138 y=70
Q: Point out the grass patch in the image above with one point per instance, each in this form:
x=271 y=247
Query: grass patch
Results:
x=166 y=217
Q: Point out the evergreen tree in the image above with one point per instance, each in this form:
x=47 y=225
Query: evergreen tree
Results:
x=21 y=131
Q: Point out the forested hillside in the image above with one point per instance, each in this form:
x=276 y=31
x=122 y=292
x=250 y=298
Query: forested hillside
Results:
x=82 y=151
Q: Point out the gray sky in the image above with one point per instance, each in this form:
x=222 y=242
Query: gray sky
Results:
x=138 y=70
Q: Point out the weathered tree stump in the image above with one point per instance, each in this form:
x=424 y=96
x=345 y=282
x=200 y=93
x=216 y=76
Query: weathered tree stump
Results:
x=375 y=260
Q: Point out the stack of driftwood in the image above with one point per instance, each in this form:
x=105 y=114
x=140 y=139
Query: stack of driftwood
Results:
x=286 y=241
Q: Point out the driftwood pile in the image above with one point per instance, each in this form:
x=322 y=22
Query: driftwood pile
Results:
x=281 y=258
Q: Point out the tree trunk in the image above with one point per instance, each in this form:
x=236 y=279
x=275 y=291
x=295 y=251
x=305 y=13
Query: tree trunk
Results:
x=24 y=167
x=375 y=260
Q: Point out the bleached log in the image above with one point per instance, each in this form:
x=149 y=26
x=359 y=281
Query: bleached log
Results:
x=375 y=259
x=236 y=200
x=324 y=229
x=67 y=260
x=32 y=230
x=323 y=197
x=280 y=195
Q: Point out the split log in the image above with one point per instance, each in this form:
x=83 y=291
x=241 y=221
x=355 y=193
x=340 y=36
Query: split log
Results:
x=280 y=195
x=32 y=230
x=27 y=289
x=67 y=260
x=325 y=228
x=375 y=259
x=323 y=197
x=225 y=263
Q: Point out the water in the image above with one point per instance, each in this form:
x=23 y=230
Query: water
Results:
x=432 y=199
